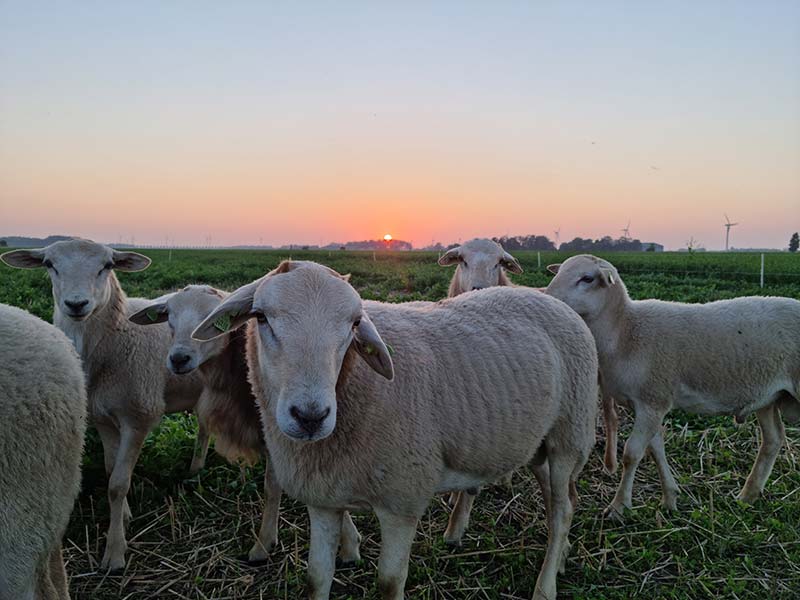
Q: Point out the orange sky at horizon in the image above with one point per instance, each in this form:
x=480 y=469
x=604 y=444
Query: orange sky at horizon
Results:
x=346 y=126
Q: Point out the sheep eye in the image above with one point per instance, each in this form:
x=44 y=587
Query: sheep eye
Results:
x=48 y=264
x=261 y=317
x=463 y=262
x=586 y=279
x=356 y=323
x=106 y=267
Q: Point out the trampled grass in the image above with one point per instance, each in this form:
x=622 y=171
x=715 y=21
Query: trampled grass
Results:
x=187 y=532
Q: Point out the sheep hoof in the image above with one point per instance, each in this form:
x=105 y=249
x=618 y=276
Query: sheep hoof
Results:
x=343 y=563
x=614 y=513
x=669 y=503
x=260 y=562
x=453 y=538
x=748 y=496
x=113 y=565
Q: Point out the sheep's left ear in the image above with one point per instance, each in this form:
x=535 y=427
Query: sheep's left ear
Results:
x=130 y=261
x=554 y=268
x=510 y=263
x=370 y=346
x=607 y=275
x=155 y=312
x=234 y=312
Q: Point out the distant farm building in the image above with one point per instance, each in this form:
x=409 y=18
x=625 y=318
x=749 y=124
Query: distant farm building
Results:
x=652 y=247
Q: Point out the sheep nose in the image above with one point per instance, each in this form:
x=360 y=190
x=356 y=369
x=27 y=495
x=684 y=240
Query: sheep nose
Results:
x=179 y=360
x=477 y=287
x=76 y=305
x=309 y=420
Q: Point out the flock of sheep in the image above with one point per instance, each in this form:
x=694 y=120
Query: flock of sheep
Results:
x=363 y=405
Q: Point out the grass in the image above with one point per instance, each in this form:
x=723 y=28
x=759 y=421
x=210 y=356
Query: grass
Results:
x=187 y=532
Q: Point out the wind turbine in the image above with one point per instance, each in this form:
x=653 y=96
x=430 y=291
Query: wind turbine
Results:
x=626 y=231
x=728 y=226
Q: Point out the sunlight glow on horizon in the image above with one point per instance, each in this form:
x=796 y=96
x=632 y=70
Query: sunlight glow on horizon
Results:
x=281 y=124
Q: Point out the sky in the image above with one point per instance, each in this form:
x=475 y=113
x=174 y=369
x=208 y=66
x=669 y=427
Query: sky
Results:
x=270 y=122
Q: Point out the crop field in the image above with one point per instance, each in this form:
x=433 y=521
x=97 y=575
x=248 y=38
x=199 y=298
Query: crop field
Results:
x=188 y=532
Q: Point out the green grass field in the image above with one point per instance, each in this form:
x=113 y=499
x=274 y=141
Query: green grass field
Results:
x=187 y=532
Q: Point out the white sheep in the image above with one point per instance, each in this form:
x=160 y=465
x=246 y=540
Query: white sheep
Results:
x=129 y=387
x=480 y=263
x=734 y=357
x=227 y=405
x=478 y=385
x=42 y=425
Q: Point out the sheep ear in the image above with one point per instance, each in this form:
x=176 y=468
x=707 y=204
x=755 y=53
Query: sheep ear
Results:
x=155 y=312
x=450 y=257
x=370 y=346
x=24 y=259
x=607 y=275
x=510 y=263
x=130 y=261
x=554 y=268
x=234 y=312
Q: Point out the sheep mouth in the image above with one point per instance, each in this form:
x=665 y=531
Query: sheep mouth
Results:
x=82 y=316
x=298 y=435
x=181 y=370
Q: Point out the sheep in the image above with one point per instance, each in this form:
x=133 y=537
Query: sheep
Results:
x=728 y=357
x=227 y=404
x=128 y=386
x=479 y=385
x=42 y=425
x=481 y=263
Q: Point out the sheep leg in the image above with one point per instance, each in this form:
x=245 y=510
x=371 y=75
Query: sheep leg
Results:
x=58 y=574
x=45 y=587
x=452 y=499
x=459 y=518
x=109 y=437
x=131 y=441
x=326 y=528
x=397 y=534
x=268 y=533
x=349 y=552
x=789 y=408
x=559 y=521
x=611 y=426
x=542 y=474
x=200 y=447
x=646 y=425
x=669 y=487
x=772 y=436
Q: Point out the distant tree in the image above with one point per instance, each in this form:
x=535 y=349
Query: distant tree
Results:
x=794 y=242
x=4 y=244
x=525 y=242
x=606 y=243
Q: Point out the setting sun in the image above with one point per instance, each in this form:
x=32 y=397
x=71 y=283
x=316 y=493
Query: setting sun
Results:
x=387 y=237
